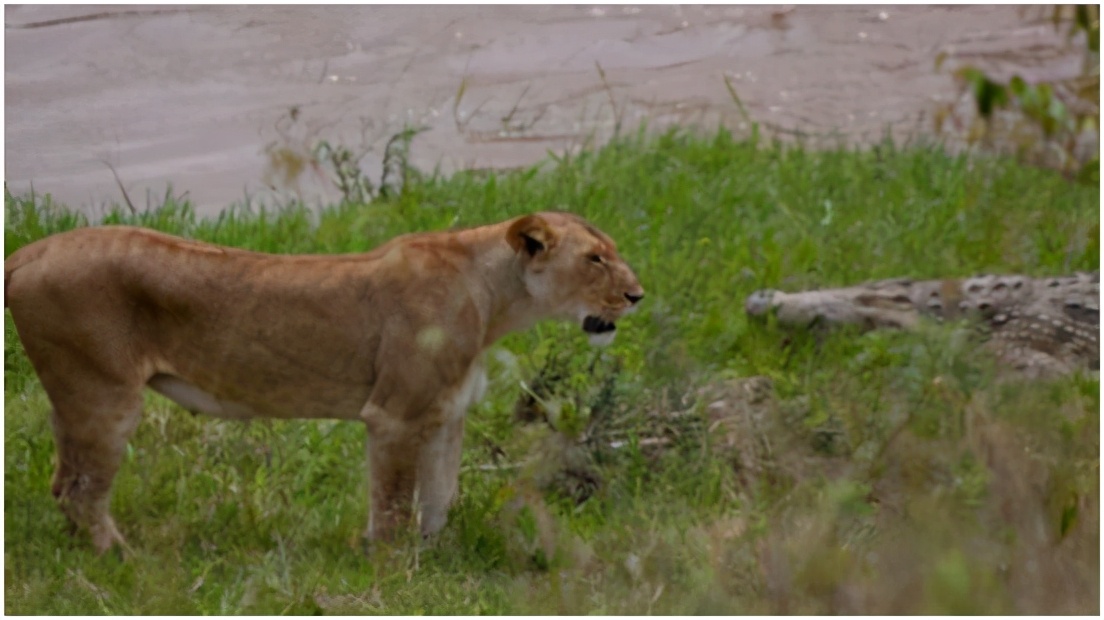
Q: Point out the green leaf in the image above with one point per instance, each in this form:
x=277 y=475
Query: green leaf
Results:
x=1018 y=86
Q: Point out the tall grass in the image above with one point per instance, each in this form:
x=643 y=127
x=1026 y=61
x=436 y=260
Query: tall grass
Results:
x=892 y=473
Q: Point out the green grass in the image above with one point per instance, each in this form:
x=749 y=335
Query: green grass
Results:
x=895 y=474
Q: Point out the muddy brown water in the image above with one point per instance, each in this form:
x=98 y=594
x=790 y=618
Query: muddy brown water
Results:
x=198 y=96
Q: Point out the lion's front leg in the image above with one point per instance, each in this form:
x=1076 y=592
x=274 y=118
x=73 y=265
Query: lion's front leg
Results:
x=439 y=458
x=392 y=469
x=414 y=442
x=400 y=463
x=439 y=474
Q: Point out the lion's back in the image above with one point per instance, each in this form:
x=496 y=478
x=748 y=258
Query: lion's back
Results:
x=86 y=263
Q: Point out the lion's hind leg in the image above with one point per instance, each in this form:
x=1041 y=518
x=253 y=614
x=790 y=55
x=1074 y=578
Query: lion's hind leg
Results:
x=91 y=433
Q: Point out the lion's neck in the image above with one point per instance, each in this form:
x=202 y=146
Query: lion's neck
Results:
x=504 y=303
x=511 y=314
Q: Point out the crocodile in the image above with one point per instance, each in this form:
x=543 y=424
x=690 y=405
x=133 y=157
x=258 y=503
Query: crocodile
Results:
x=1039 y=326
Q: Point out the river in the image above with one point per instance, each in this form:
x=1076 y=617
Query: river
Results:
x=207 y=97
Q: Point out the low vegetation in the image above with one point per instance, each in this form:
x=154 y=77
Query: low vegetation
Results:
x=1049 y=123
x=704 y=463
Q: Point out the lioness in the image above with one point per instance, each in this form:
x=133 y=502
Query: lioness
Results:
x=393 y=337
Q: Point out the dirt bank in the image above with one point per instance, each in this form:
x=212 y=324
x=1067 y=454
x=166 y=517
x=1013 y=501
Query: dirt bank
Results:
x=193 y=95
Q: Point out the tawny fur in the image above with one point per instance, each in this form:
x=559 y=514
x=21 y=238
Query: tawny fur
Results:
x=393 y=337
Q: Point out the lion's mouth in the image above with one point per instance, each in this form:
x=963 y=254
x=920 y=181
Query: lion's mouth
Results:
x=597 y=325
x=599 y=331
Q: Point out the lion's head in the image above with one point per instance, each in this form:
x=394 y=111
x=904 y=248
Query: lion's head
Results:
x=573 y=268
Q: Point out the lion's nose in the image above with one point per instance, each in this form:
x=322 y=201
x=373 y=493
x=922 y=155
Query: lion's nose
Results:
x=633 y=298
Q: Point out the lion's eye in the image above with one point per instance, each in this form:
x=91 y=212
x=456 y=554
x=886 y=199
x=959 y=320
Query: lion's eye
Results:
x=594 y=258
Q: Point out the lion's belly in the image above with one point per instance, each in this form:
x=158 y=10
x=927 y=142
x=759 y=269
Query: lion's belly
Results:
x=196 y=399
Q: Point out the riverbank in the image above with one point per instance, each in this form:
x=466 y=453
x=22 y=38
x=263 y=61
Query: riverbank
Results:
x=704 y=463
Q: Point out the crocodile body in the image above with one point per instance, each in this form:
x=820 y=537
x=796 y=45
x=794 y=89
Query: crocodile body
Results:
x=1041 y=326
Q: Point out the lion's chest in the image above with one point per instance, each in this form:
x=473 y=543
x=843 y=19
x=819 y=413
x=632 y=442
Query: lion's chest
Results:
x=470 y=391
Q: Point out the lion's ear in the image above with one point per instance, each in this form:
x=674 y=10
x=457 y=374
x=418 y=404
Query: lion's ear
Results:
x=531 y=234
